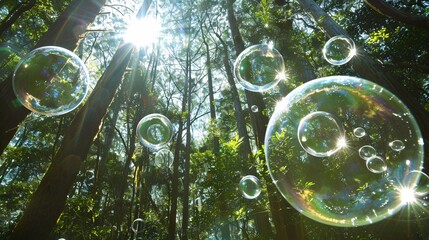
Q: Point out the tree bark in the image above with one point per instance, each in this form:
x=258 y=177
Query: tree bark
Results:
x=49 y=199
x=64 y=33
x=389 y=11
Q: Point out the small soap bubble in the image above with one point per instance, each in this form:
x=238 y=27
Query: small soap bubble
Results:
x=259 y=68
x=339 y=50
x=366 y=152
x=50 y=81
x=155 y=131
x=359 y=132
x=137 y=225
x=254 y=108
x=250 y=187
x=320 y=134
x=376 y=164
x=421 y=188
x=164 y=158
x=397 y=145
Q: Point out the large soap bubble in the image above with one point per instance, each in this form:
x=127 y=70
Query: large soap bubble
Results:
x=259 y=68
x=154 y=131
x=339 y=50
x=164 y=158
x=360 y=180
x=50 y=81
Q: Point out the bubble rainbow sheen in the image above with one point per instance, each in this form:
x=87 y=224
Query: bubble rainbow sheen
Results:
x=338 y=189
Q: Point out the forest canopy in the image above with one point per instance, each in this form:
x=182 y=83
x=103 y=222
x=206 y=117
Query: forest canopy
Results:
x=207 y=119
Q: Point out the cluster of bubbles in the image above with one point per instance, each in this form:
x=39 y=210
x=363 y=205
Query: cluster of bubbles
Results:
x=341 y=150
x=339 y=50
x=50 y=81
x=250 y=187
x=155 y=131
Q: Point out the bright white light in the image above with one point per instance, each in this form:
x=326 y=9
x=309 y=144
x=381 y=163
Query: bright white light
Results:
x=281 y=76
x=142 y=32
x=342 y=143
x=407 y=195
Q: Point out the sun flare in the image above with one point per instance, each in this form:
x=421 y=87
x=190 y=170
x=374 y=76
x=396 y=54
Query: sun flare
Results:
x=142 y=32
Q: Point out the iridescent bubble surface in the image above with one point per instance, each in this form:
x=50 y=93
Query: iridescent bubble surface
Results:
x=320 y=134
x=339 y=50
x=50 y=81
x=154 y=131
x=254 y=108
x=164 y=158
x=376 y=164
x=344 y=193
x=259 y=68
x=359 y=132
x=366 y=152
x=250 y=187
x=397 y=145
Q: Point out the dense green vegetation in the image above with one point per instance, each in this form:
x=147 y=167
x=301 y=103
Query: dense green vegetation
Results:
x=186 y=75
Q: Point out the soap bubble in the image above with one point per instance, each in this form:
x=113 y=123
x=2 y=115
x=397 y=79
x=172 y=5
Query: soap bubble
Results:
x=397 y=145
x=164 y=158
x=137 y=225
x=320 y=134
x=8 y=60
x=366 y=152
x=359 y=132
x=154 y=131
x=254 y=108
x=250 y=187
x=376 y=164
x=339 y=50
x=50 y=81
x=422 y=187
x=259 y=68
x=345 y=193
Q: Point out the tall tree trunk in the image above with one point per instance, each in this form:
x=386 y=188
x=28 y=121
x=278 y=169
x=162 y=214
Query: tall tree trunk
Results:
x=186 y=168
x=175 y=178
x=49 y=199
x=371 y=70
x=64 y=33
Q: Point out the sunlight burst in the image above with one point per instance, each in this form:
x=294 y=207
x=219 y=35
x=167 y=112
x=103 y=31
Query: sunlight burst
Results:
x=142 y=32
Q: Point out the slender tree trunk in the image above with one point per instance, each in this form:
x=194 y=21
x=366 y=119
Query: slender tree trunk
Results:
x=175 y=178
x=49 y=199
x=64 y=33
x=186 y=170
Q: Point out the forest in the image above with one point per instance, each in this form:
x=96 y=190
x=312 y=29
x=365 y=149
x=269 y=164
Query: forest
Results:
x=214 y=119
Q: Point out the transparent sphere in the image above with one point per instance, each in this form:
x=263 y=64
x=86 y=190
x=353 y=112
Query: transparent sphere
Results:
x=339 y=50
x=320 y=134
x=422 y=187
x=339 y=188
x=50 y=81
x=250 y=187
x=137 y=225
x=164 y=158
x=359 y=132
x=254 y=108
x=259 y=68
x=397 y=145
x=154 y=131
x=8 y=60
